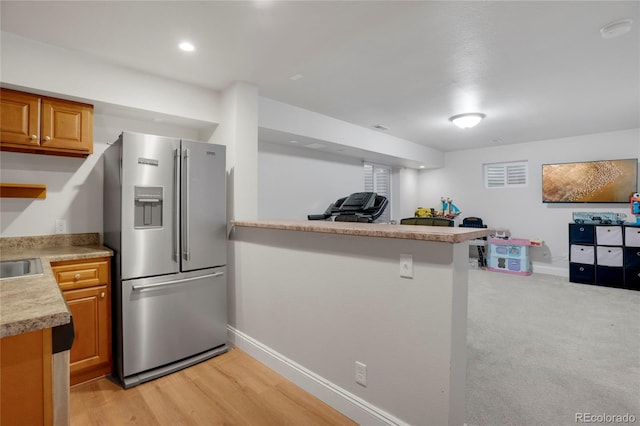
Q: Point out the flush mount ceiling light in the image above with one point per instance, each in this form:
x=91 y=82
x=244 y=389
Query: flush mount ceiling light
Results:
x=186 y=46
x=616 y=28
x=466 y=121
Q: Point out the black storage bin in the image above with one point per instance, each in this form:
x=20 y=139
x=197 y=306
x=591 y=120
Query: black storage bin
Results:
x=632 y=257
x=581 y=234
x=610 y=276
x=582 y=273
x=632 y=279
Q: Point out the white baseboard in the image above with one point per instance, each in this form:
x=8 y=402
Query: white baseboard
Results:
x=560 y=271
x=340 y=399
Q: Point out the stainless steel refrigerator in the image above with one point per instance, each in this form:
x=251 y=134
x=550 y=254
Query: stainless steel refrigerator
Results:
x=165 y=220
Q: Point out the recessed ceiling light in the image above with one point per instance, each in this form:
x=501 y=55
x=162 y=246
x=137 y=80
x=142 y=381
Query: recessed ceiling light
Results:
x=616 y=28
x=186 y=46
x=466 y=121
x=293 y=141
x=296 y=77
x=421 y=167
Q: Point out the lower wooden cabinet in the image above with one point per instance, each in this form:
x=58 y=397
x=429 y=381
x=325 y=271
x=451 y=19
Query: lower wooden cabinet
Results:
x=25 y=379
x=86 y=287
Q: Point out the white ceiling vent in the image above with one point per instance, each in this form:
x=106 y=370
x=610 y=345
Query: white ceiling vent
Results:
x=380 y=127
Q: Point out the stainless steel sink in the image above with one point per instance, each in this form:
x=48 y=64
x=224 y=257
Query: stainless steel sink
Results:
x=20 y=268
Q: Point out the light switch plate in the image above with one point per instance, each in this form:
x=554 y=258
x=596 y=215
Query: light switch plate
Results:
x=406 y=266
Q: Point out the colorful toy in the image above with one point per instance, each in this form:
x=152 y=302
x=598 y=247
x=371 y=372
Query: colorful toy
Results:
x=602 y=218
x=635 y=206
x=423 y=212
x=448 y=208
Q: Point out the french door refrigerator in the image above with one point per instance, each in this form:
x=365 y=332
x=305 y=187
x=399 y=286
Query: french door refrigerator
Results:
x=165 y=220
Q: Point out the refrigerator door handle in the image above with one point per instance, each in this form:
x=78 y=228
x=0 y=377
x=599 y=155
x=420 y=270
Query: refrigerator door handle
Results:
x=176 y=205
x=168 y=283
x=186 y=200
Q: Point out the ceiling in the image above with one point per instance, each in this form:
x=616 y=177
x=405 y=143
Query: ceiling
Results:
x=537 y=69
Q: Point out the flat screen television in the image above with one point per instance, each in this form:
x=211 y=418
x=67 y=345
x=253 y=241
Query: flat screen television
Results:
x=607 y=181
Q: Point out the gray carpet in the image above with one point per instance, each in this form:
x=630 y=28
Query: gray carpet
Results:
x=541 y=349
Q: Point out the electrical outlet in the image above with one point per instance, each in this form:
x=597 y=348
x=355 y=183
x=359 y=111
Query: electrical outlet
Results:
x=406 y=266
x=61 y=226
x=361 y=373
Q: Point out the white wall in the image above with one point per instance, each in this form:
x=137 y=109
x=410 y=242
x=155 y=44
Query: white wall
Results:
x=297 y=121
x=74 y=185
x=310 y=305
x=521 y=210
x=239 y=133
x=27 y=64
x=404 y=193
x=294 y=182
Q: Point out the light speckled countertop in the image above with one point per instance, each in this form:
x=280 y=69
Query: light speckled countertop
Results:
x=36 y=302
x=443 y=234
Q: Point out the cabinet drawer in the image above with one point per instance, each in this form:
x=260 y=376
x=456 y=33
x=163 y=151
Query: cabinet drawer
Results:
x=579 y=273
x=609 y=235
x=75 y=274
x=632 y=236
x=609 y=256
x=580 y=233
x=582 y=254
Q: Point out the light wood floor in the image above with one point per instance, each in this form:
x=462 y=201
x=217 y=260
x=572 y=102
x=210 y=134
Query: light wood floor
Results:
x=231 y=389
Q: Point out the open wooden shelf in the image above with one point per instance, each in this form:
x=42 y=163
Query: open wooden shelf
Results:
x=23 y=190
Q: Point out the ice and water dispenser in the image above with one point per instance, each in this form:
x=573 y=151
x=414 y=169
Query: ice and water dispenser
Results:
x=148 y=207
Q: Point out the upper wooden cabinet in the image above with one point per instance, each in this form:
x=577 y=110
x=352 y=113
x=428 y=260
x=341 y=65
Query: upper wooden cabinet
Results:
x=42 y=125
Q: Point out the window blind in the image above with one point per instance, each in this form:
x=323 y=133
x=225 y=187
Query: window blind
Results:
x=377 y=179
x=504 y=175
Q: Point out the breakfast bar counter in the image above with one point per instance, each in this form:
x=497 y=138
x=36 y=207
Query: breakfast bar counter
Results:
x=370 y=318
x=407 y=232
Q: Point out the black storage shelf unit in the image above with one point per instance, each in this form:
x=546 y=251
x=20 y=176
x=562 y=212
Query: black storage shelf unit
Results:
x=605 y=255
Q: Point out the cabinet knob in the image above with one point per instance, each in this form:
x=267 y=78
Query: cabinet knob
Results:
x=581 y=229
x=47 y=138
x=102 y=295
x=582 y=269
x=76 y=276
x=34 y=136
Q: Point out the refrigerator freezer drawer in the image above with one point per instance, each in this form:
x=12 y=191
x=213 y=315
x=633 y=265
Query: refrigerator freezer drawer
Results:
x=167 y=320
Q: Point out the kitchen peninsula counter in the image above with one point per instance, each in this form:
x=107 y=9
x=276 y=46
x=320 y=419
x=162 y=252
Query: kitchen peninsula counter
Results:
x=321 y=296
x=35 y=302
x=408 y=232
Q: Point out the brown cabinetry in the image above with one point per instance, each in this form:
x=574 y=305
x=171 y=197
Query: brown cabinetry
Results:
x=25 y=379
x=86 y=286
x=42 y=125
